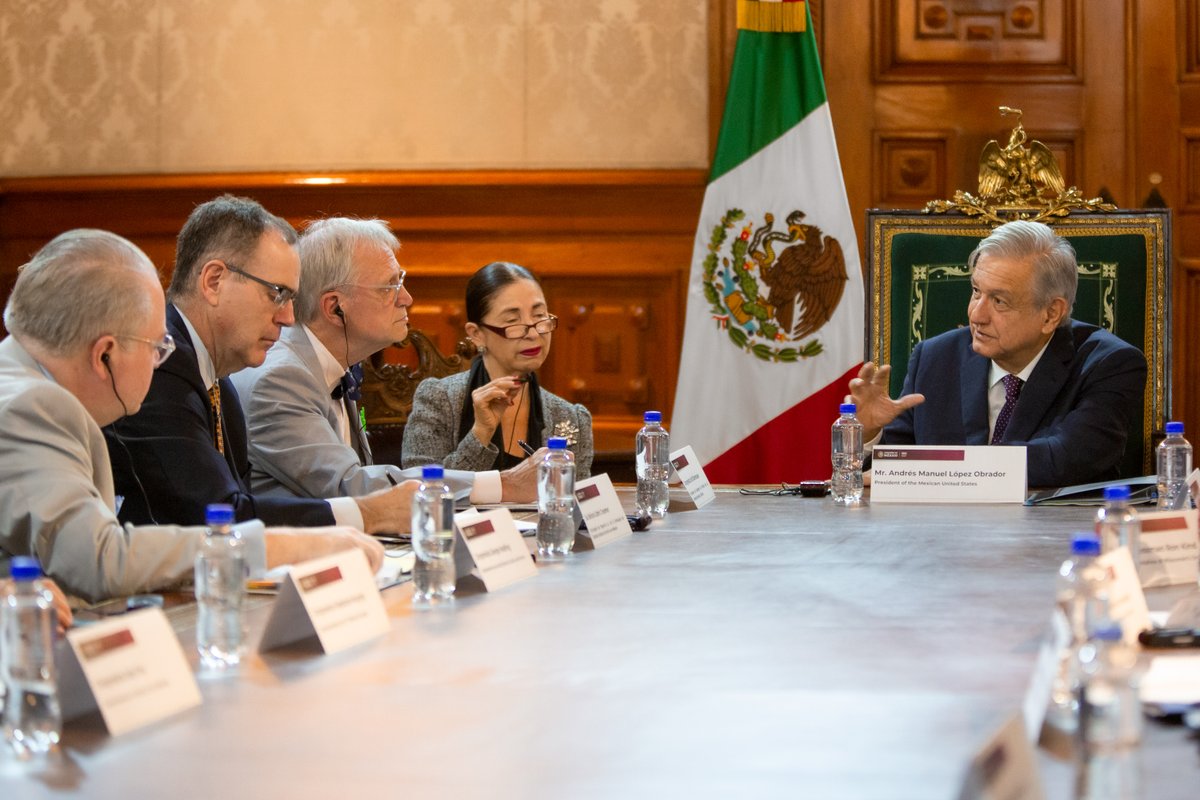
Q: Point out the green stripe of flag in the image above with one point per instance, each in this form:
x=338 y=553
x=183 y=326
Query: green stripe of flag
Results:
x=775 y=82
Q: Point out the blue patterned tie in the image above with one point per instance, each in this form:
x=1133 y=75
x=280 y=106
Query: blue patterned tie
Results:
x=1012 y=390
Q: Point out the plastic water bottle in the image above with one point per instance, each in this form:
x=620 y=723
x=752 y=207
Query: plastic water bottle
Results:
x=1110 y=719
x=1117 y=524
x=556 y=502
x=220 y=591
x=433 y=539
x=1079 y=590
x=1174 y=466
x=847 y=483
x=32 y=717
x=653 y=448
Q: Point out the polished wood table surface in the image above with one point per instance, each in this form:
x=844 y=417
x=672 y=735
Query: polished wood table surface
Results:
x=762 y=647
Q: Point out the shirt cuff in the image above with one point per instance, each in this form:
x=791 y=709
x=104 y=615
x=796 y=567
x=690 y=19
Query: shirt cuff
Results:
x=252 y=532
x=346 y=512
x=487 y=489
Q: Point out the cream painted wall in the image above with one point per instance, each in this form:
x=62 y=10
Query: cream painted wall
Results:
x=164 y=86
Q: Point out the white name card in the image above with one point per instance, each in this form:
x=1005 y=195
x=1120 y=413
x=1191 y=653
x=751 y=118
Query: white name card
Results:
x=601 y=508
x=1126 y=601
x=947 y=474
x=131 y=667
x=1170 y=547
x=333 y=598
x=689 y=470
x=1005 y=768
x=489 y=545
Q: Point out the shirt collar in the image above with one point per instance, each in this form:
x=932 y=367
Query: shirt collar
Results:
x=331 y=370
x=208 y=372
x=997 y=373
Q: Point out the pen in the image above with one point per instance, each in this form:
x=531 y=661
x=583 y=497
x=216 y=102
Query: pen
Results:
x=391 y=480
x=525 y=446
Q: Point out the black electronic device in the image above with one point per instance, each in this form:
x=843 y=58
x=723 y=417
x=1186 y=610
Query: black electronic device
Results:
x=1170 y=637
x=814 y=488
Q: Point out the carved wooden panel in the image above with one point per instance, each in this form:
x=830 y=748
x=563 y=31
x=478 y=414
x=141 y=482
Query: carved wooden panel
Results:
x=910 y=168
x=1190 y=152
x=1189 y=40
x=973 y=40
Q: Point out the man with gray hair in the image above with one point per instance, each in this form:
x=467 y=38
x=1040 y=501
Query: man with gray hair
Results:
x=307 y=437
x=87 y=330
x=1021 y=373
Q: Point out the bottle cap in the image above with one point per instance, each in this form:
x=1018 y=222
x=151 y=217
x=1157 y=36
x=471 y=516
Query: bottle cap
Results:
x=652 y=416
x=1174 y=427
x=847 y=408
x=25 y=568
x=1108 y=633
x=1116 y=492
x=218 y=514
x=558 y=442
x=432 y=471
x=1085 y=543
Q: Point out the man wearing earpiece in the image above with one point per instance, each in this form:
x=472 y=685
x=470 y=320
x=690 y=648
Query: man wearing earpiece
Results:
x=306 y=436
x=236 y=273
x=87 y=330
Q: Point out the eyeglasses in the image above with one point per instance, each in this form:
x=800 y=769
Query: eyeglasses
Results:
x=520 y=330
x=162 y=347
x=392 y=289
x=280 y=295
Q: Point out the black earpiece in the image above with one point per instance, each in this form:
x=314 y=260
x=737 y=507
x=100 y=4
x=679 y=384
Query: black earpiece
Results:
x=104 y=358
x=338 y=310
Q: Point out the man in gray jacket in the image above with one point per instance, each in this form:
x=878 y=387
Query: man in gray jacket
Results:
x=306 y=432
x=87 y=324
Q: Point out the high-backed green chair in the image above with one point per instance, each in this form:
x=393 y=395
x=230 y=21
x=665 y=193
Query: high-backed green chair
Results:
x=918 y=286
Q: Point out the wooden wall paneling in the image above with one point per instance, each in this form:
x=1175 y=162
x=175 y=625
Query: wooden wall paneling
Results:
x=910 y=168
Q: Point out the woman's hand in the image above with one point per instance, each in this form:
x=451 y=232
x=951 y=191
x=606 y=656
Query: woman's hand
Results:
x=491 y=401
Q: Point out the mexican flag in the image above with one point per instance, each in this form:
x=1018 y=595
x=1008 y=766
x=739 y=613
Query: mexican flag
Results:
x=774 y=327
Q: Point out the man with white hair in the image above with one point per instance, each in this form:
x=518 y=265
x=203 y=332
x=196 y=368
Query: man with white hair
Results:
x=1022 y=372
x=307 y=437
x=87 y=329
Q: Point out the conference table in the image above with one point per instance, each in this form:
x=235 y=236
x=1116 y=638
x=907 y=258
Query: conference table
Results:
x=760 y=647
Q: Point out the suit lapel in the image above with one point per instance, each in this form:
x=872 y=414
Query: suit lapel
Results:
x=1044 y=384
x=974 y=397
x=296 y=340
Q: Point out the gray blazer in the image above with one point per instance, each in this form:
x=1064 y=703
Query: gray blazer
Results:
x=56 y=494
x=295 y=445
x=431 y=434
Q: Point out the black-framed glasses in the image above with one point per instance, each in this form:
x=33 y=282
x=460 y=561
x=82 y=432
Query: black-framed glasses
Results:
x=520 y=330
x=392 y=289
x=280 y=295
x=162 y=347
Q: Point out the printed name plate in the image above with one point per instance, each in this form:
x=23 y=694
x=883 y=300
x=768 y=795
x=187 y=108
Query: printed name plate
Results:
x=601 y=508
x=333 y=598
x=1170 y=547
x=688 y=468
x=1005 y=768
x=132 y=668
x=947 y=474
x=489 y=544
x=1126 y=601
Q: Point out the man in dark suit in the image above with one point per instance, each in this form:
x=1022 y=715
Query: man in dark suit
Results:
x=236 y=273
x=1021 y=373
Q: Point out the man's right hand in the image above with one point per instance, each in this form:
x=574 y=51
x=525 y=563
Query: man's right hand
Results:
x=294 y=545
x=519 y=484
x=875 y=407
x=388 y=510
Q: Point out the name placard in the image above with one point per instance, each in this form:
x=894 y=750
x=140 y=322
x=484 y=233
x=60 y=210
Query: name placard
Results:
x=131 y=667
x=601 y=508
x=1005 y=768
x=947 y=474
x=689 y=470
x=1126 y=601
x=333 y=598
x=489 y=545
x=1170 y=547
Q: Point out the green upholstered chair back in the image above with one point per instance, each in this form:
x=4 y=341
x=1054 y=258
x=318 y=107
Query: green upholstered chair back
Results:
x=918 y=286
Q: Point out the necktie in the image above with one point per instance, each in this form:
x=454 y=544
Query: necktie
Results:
x=1012 y=390
x=214 y=402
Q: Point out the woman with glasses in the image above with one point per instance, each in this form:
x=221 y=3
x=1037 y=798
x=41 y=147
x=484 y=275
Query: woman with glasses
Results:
x=495 y=414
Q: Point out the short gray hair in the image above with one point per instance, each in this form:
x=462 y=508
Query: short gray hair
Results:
x=327 y=257
x=1055 y=271
x=79 y=287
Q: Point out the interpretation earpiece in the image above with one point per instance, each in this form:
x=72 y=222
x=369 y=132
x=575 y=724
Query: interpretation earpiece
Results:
x=338 y=310
x=104 y=358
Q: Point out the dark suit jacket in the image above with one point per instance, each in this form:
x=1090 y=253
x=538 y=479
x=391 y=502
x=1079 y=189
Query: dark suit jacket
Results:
x=170 y=445
x=1074 y=413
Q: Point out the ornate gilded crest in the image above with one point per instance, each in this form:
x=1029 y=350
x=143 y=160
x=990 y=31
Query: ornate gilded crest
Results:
x=1019 y=182
x=768 y=303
